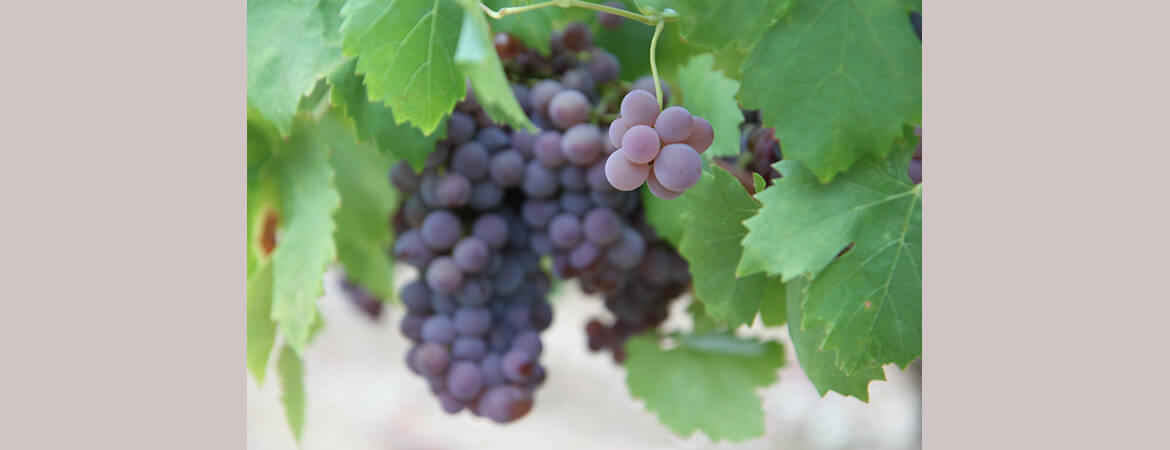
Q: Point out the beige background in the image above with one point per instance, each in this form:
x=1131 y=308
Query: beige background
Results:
x=1045 y=240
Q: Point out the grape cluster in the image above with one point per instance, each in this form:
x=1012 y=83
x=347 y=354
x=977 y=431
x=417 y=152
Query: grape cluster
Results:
x=759 y=150
x=658 y=147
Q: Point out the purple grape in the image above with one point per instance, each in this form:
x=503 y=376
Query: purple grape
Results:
x=528 y=342
x=508 y=279
x=575 y=203
x=673 y=124
x=581 y=144
x=432 y=360
x=541 y=316
x=603 y=66
x=518 y=316
x=628 y=251
x=542 y=93
x=471 y=254
x=639 y=108
x=659 y=190
x=437 y=329
x=564 y=230
x=539 y=181
x=596 y=177
x=464 y=380
x=443 y=303
x=547 y=149
x=538 y=213
x=516 y=365
x=471 y=160
x=521 y=93
x=623 y=174
x=602 y=226
x=915 y=171
x=414 y=211
x=567 y=108
x=702 y=135
x=573 y=178
x=440 y=230
x=453 y=191
x=486 y=195
x=473 y=292
x=522 y=141
x=493 y=138
x=489 y=366
x=492 y=229
x=468 y=348
x=577 y=37
x=640 y=144
x=578 y=79
x=507 y=168
x=504 y=403
x=678 y=167
x=443 y=276
x=460 y=127
x=416 y=297
x=617 y=130
x=403 y=177
x=427 y=185
x=449 y=403
x=410 y=248
x=411 y=326
x=472 y=321
x=541 y=244
x=584 y=255
x=610 y=21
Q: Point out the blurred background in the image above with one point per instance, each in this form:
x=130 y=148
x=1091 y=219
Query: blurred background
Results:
x=361 y=396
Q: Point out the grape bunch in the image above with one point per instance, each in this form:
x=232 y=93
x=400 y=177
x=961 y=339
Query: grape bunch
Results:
x=658 y=147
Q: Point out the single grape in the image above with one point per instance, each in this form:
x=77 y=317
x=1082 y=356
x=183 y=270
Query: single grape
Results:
x=522 y=141
x=416 y=297
x=443 y=276
x=432 y=360
x=410 y=248
x=489 y=366
x=412 y=360
x=427 y=184
x=542 y=93
x=915 y=171
x=443 y=303
x=449 y=403
x=472 y=321
x=453 y=191
x=504 y=403
x=471 y=160
x=584 y=255
x=577 y=37
x=602 y=226
x=678 y=167
x=547 y=149
x=500 y=339
x=507 y=168
x=516 y=365
x=492 y=229
x=521 y=93
x=628 y=251
x=573 y=178
x=468 y=348
x=460 y=127
x=581 y=144
x=617 y=130
x=623 y=174
x=702 y=135
x=639 y=108
x=541 y=316
x=485 y=195
x=603 y=66
x=437 y=329
x=567 y=108
x=493 y=138
x=471 y=254
x=538 y=213
x=564 y=230
x=464 y=380
x=403 y=177
x=528 y=342
x=539 y=181
x=640 y=145
x=610 y=21
x=578 y=79
x=473 y=292
x=674 y=124
x=414 y=211
x=575 y=203
x=518 y=316
x=411 y=326
x=441 y=229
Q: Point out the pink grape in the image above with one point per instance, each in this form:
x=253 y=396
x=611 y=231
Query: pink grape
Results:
x=641 y=144
x=639 y=108
x=678 y=167
x=659 y=190
x=674 y=124
x=617 y=129
x=581 y=144
x=623 y=174
x=702 y=135
x=569 y=107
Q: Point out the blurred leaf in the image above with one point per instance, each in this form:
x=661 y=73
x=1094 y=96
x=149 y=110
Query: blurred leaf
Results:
x=375 y=121
x=292 y=388
x=710 y=95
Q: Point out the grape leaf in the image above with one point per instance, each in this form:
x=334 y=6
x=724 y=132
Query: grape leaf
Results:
x=261 y=329
x=820 y=365
x=477 y=56
x=773 y=307
x=375 y=121
x=706 y=383
x=305 y=245
x=665 y=215
x=713 y=24
x=367 y=200
x=710 y=95
x=870 y=298
x=290 y=45
x=717 y=207
x=292 y=390
x=406 y=48
x=837 y=80
x=262 y=137
x=630 y=43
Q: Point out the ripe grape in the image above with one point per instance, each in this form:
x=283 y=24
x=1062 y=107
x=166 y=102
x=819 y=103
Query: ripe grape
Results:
x=432 y=360
x=639 y=108
x=678 y=167
x=610 y=21
x=492 y=138
x=640 y=144
x=564 y=230
x=471 y=254
x=443 y=276
x=460 y=127
x=628 y=251
x=542 y=93
x=516 y=365
x=538 y=213
x=577 y=37
x=578 y=79
x=504 y=403
x=538 y=180
x=581 y=144
x=673 y=124
x=440 y=230
x=702 y=135
x=464 y=380
x=404 y=178
x=492 y=229
x=522 y=141
x=604 y=67
x=547 y=149
x=411 y=326
x=659 y=190
x=507 y=168
x=623 y=174
x=584 y=255
x=438 y=330
x=416 y=297
x=453 y=191
x=472 y=321
x=618 y=129
x=411 y=249
x=915 y=171
x=470 y=159
x=602 y=226
x=567 y=108
x=572 y=178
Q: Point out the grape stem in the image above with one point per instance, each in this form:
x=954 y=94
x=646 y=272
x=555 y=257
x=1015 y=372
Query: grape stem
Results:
x=656 y=20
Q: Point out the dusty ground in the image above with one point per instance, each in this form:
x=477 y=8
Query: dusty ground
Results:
x=361 y=396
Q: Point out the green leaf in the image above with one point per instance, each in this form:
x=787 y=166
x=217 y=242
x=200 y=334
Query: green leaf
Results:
x=477 y=56
x=367 y=200
x=533 y=27
x=837 y=80
x=630 y=43
x=665 y=215
x=758 y=182
x=717 y=206
x=375 y=121
x=406 y=48
x=290 y=45
x=706 y=383
x=305 y=244
x=713 y=24
x=292 y=390
x=261 y=328
x=711 y=95
x=263 y=138
x=869 y=299
x=773 y=310
x=820 y=365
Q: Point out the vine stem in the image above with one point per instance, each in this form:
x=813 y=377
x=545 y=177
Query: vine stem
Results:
x=654 y=64
x=648 y=20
